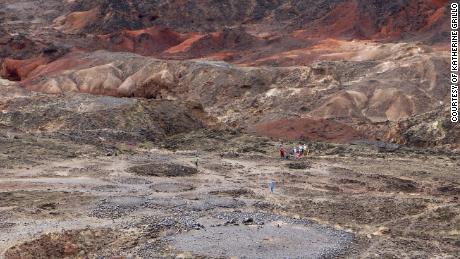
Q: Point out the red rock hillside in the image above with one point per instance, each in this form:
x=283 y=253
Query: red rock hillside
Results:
x=349 y=66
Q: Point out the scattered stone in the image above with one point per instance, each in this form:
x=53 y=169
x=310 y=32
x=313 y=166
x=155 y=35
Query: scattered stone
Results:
x=168 y=170
x=299 y=165
x=248 y=221
x=231 y=222
x=171 y=187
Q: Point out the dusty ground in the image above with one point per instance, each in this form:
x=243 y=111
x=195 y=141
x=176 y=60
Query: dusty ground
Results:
x=340 y=201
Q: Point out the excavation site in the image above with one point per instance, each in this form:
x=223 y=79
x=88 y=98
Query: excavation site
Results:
x=228 y=129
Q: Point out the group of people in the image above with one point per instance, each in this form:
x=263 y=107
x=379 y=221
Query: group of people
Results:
x=295 y=152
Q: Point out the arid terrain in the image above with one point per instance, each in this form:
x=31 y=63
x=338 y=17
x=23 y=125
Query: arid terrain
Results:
x=151 y=129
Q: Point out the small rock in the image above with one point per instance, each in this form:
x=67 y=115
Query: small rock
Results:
x=248 y=221
x=382 y=231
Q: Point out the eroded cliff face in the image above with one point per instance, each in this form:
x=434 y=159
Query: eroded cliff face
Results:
x=389 y=89
x=369 y=65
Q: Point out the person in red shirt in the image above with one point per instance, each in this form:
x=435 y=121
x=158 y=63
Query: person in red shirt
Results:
x=282 y=152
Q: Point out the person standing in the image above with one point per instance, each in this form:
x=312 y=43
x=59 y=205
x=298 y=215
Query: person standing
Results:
x=282 y=152
x=297 y=156
x=271 y=186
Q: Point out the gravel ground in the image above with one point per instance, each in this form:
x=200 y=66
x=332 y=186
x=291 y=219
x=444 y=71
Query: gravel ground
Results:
x=258 y=235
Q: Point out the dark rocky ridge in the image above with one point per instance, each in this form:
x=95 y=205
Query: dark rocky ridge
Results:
x=211 y=15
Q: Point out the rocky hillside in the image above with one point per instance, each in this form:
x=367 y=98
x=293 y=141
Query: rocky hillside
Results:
x=95 y=119
x=263 y=26
x=361 y=67
x=344 y=18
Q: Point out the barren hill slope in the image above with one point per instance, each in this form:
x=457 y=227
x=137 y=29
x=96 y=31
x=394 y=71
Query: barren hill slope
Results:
x=360 y=62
